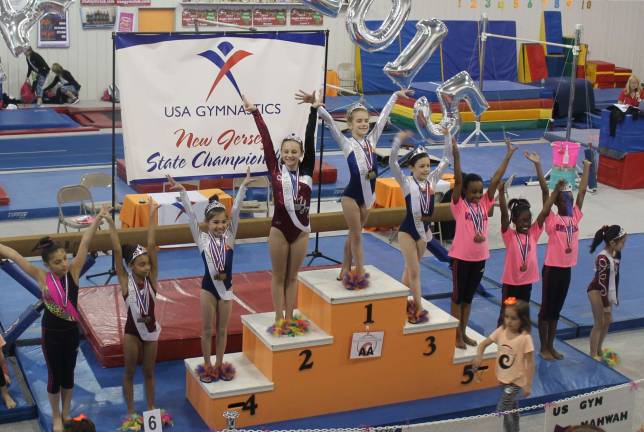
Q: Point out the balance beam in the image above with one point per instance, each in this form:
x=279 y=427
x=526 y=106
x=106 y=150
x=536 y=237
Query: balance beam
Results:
x=248 y=228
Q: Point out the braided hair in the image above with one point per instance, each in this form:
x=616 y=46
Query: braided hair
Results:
x=606 y=234
x=518 y=206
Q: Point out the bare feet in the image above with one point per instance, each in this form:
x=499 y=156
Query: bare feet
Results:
x=469 y=340
x=556 y=354
x=546 y=355
x=8 y=400
x=460 y=344
x=58 y=424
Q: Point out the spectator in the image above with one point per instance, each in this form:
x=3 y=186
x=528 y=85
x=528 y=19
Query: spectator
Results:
x=64 y=84
x=37 y=64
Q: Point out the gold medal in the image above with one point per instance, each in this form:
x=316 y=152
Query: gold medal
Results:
x=370 y=175
x=568 y=250
x=221 y=276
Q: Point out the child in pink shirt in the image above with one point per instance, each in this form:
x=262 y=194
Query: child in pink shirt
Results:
x=4 y=379
x=561 y=255
x=514 y=358
x=521 y=268
x=469 y=251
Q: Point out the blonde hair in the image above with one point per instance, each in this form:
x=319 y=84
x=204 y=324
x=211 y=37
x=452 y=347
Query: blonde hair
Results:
x=56 y=68
x=632 y=79
x=353 y=111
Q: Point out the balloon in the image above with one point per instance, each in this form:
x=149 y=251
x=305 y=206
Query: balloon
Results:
x=450 y=93
x=375 y=40
x=15 y=25
x=326 y=7
x=429 y=35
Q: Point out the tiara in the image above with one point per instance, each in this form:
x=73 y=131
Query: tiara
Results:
x=293 y=137
x=621 y=234
x=419 y=150
x=212 y=205
x=356 y=106
x=140 y=250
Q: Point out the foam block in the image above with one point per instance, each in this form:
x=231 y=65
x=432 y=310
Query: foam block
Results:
x=4 y=198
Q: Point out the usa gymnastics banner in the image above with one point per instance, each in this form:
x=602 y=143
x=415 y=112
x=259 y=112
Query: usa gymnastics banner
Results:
x=181 y=105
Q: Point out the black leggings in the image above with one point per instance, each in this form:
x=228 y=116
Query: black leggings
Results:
x=60 y=348
x=466 y=277
x=555 y=282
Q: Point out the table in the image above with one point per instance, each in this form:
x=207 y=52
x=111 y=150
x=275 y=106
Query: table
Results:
x=135 y=211
x=389 y=194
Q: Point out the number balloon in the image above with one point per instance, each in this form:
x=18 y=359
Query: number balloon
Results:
x=428 y=37
x=381 y=38
x=15 y=25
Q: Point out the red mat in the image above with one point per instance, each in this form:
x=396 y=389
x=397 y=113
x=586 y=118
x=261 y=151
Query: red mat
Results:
x=4 y=198
x=103 y=316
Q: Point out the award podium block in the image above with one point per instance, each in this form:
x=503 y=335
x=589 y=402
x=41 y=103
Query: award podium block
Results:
x=360 y=352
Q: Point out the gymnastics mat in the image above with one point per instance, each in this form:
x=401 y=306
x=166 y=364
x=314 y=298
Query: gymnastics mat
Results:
x=103 y=315
x=99 y=118
x=517 y=104
x=492 y=90
x=4 y=198
x=37 y=120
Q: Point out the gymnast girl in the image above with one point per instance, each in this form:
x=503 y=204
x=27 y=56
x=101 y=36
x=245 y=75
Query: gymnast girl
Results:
x=358 y=197
x=561 y=255
x=60 y=334
x=139 y=287
x=216 y=242
x=291 y=180
x=604 y=288
x=469 y=251
x=414 y=232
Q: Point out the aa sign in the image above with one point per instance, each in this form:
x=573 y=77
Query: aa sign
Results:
x=367 y=345
x=611 y=410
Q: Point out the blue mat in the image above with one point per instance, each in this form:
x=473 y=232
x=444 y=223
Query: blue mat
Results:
x=25 y=408
x=34 y=118
x=605 y=97
x=492 y=90
x=55 y=151
x=553 y=31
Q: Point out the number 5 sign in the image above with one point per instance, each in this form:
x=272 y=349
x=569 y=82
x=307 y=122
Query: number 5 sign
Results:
x=152 y=421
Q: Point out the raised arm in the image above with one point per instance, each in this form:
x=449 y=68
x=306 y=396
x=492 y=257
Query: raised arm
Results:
x=335 y=132
x=583 y=184
x=547 y=206
x=496 y=178
x=152 y=243
x=458 y=175
x=33 y=271
x=308 y=162
x=81 y=254
x=394 y=165
x=505 y=217
x=239 y=198
x=117 y=254
x=435 y=175
x=383 y=118
x=193 y=223
x=267 y=142
x=536 y=160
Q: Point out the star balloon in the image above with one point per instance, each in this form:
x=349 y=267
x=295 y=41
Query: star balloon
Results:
x=15 y=25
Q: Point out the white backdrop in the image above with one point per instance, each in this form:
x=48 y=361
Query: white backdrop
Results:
x=186 y=119
x=613 y=28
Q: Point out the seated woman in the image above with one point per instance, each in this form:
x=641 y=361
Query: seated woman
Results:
x=632 y=94
x=64 y=84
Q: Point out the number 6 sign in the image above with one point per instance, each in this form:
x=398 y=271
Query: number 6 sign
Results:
x=152 y=421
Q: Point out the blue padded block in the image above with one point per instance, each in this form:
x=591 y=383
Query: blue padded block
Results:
x=554 y=31
x=629 y=135
x=34 y=118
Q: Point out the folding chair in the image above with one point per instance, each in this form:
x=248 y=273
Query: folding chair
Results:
x=75 y=194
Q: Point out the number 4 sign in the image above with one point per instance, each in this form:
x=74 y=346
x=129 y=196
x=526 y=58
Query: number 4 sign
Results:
x=152 y=421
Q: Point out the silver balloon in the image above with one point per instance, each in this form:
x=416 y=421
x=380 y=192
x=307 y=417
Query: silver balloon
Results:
x=428 y=37
x=15 y=25
x=381 y=38
x=326 y=7
x=450 y=93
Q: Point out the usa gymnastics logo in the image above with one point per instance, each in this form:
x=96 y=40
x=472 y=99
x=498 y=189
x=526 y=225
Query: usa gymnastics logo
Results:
x=225 y=63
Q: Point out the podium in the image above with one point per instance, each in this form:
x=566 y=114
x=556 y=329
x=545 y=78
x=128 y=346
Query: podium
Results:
x=284 y=378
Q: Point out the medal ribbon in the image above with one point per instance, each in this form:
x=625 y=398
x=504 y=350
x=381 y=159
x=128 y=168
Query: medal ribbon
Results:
x=424 y=197
x=477 y=217
x=368 y=154
x=569 y=228
x=143 y=299
x=218 y=252
x=295 y=181
x=523 y=249
x=59 y=288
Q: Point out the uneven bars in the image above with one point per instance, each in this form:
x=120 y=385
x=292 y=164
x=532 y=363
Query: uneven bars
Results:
x=498 y=36
x=343 y=89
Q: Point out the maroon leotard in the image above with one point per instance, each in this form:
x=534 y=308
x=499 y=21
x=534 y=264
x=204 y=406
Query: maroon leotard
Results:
x=601 y=281
x=281 y=219
x=130 y=327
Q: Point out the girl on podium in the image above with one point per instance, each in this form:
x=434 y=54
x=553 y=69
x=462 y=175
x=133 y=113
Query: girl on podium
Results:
x=358 y=197
x=291 y=180
x=216 y=244
x=414 y=232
